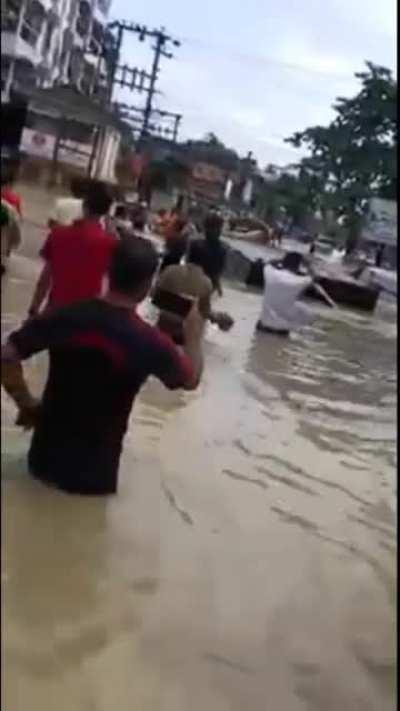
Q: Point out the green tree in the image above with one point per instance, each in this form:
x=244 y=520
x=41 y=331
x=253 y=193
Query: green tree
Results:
x=213 y=140
x=354 y=158
x=295 y=196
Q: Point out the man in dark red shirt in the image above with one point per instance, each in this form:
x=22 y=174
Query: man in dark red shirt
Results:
x=101 y=353
x=76 y=256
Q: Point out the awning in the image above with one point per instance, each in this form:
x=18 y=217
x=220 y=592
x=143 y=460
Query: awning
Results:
x=69 y=103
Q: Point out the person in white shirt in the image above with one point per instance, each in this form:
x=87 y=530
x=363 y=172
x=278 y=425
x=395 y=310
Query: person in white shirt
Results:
x=69 y=209
x=283 y=286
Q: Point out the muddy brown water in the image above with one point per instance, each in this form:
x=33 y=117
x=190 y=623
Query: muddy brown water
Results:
x=248 y=561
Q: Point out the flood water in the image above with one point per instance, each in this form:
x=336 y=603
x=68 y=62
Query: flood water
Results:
x=248 y=561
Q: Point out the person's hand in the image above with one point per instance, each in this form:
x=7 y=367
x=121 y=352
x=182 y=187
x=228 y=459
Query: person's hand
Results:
x=28 y=416
x=224 y=321
x=193 y=327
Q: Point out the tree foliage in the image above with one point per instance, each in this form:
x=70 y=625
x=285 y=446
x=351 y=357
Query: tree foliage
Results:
x=354 y=157
x=292 y=195
x=212 y=140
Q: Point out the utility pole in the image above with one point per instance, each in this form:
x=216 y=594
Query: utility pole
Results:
x=158 y=50
x=136 y=114
x=178 y=119
x=162 y=41
x=117 y=54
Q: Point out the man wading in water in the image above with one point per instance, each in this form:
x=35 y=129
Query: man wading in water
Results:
x=215 y=250
x=101 y=353
x=176 y=238
x=283 y=285
x=190 y=280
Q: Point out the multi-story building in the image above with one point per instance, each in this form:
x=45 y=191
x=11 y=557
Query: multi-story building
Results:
x=50 y=42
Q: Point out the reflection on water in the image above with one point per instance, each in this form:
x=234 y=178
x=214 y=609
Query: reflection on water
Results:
x=249 y=558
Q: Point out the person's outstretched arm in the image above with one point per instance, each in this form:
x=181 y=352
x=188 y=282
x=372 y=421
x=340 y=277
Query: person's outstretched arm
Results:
x=13 y=381
x=43 y=284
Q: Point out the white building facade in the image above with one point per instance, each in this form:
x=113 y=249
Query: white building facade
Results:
x=50 y=42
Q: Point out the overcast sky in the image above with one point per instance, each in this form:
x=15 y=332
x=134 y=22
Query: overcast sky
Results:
x=256 y=71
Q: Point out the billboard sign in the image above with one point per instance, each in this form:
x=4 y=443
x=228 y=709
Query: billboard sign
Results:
x=41 y=145
x=381 y=223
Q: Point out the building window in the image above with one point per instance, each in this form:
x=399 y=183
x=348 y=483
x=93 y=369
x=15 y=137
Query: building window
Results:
x=83 y=19
x=97 y=38
x=88 y=78
x=47 y=38
x=25 y=78
x=67 y=44
x=75 y=66
x=32 y=22
x=5 y=68
x=10 y=12
x=72 y=11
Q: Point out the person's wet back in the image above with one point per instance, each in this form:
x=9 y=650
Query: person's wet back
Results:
x=101 y=353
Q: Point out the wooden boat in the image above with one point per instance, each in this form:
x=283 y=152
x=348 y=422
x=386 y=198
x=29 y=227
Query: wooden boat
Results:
x=347 y=292
x=342 y=288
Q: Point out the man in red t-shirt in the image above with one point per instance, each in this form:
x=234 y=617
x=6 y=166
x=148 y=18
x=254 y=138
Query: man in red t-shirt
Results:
x=76 y=256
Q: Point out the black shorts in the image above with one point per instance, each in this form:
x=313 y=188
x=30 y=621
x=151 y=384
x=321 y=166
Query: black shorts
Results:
x=276 y=332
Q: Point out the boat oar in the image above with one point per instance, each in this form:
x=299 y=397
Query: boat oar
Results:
x=325 y=296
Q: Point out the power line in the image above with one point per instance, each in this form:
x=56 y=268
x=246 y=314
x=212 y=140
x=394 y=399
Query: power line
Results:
x=188 y=40
x=262 y=59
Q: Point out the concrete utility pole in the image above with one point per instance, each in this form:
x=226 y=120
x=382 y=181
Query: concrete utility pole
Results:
x=117 y=54
x=135 y=115
x=162 y=41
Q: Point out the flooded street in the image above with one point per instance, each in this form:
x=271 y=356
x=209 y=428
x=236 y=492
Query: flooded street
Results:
x=248 y=561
